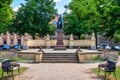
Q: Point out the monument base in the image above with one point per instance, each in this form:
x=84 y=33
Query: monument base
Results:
x=59 y=48
x=60 y=44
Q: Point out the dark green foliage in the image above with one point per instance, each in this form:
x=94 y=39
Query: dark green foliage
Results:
x=119 y=53
x=75 y=26
x=34 y=17
x=110 y=15
x=82 y=36
x=98 y=16
x=84 y=18
x=117 y=37
x=6 y=14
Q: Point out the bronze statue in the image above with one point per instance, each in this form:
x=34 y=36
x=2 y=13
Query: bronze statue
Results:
x=60 y=22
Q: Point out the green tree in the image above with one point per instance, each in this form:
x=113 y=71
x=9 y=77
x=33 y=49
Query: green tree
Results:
x=74 y=26
x=86 y=17
x=110 y=15
x=6 y=15
x=34 y=18
x=99 y=16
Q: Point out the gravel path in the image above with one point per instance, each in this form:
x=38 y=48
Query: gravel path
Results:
x=60 y=71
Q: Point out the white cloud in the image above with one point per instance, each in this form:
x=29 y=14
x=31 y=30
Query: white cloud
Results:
x=16 y=8
x=57 y=0
x=68 y=11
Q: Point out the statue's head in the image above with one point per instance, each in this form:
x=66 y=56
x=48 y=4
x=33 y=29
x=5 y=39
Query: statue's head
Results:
x=60 y=15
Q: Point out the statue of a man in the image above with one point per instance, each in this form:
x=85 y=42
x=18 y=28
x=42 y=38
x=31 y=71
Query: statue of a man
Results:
x=60 y=22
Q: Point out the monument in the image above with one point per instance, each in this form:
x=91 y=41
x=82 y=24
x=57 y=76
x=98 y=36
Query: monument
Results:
x=60 y=44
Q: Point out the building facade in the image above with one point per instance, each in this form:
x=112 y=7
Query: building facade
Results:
x=11 y=39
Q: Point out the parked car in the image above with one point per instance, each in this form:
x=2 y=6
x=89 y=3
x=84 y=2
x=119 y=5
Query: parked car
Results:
x=105 y=46
x=6 y=47
x=17 y=47
x=1 y=46
x=116 y=47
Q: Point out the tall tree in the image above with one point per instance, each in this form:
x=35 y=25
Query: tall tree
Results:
x=96 y=15
x=111 y=18
x=86 y=16
x=74 y=26
x=34 y=18
x=6 y=14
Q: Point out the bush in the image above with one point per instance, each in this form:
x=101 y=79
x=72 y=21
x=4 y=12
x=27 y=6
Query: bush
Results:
x=108 y=55
x=117 y=38
x=119 y=53
x=103 y=57
x=13 y=59
x=95 y=59
x=82 y=36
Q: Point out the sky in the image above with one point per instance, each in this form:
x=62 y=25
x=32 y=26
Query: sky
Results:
x=59 y=5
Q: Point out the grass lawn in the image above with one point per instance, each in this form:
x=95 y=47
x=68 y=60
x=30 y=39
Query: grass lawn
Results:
x=8 y=77
x=109 y=77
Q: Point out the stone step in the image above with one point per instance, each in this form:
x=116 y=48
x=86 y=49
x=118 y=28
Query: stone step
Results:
x=59 y=61
x=60 y=58
x=65 y=54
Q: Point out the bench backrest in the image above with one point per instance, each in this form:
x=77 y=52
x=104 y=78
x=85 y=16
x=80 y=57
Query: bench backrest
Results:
x=111 y=66
x=6 y=65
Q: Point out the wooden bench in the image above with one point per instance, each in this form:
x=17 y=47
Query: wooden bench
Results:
x=8 y=66
x=108 y=67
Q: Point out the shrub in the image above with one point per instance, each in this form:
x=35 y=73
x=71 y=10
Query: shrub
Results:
x=82 y=36
x=117 y=37
x=118 y=52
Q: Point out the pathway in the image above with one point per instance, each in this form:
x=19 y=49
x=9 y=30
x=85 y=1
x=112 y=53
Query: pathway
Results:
x=59 y=71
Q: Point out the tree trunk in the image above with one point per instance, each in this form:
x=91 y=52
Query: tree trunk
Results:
x=96 y=39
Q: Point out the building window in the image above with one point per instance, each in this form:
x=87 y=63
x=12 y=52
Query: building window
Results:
x=4 y=33
x=18 y=34
x=19 y=41
x=11 y=33
x=4 y=41
x=12 y=41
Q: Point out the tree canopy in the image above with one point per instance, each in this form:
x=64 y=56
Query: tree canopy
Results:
x=85 y=15
x=6 y=15
x=111 y=18
x=98 y=16
x=34 y=18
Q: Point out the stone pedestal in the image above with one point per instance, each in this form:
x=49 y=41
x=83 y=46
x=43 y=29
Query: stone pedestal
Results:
x=93 y=47
x=38 y=57
x=60 y=44
x=60 y=38
x=25 y=43
x=48 y=41
x=71 y=42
